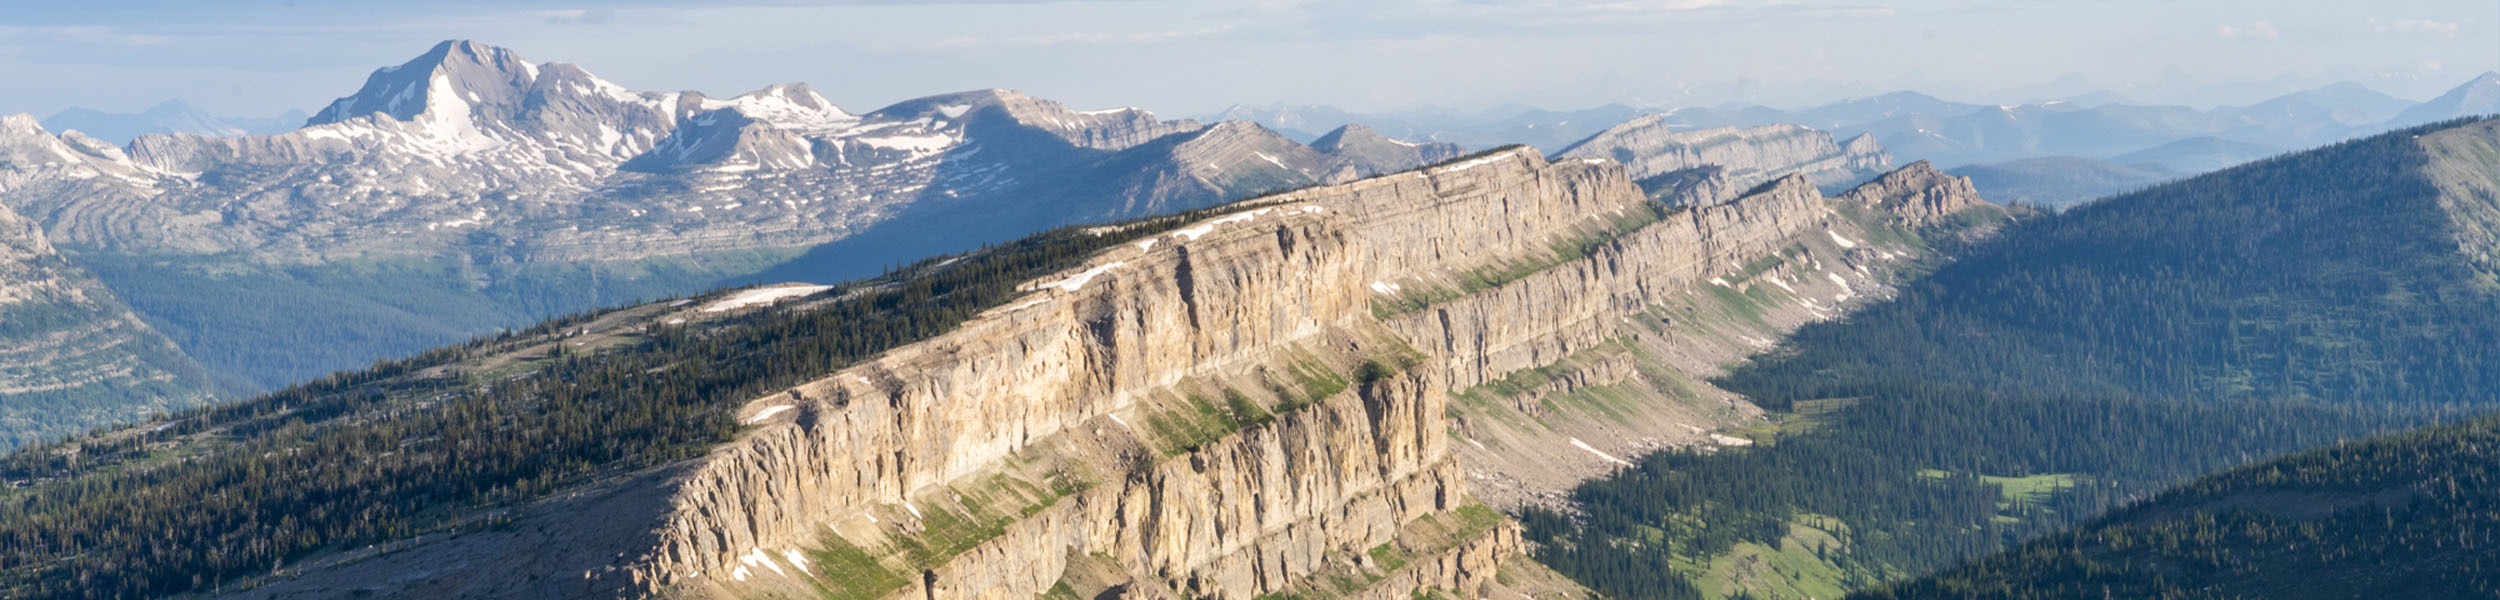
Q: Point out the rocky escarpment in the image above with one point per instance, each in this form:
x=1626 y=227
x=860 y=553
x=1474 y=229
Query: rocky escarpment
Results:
x=1649 y=146
x=1252 y=404
x=1917 y=193
x=1625 y=328
x=1206 y=312
x=1313 y=284
x=70 y=353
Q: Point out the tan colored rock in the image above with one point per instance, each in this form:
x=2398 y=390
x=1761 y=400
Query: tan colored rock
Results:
x=1917 y=194
x=1083 y=375
x=1650 y=145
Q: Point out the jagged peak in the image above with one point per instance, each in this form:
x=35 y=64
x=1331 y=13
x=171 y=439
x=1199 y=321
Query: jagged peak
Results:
x=23 y=124
x=1352 y=133
x=786 y=105
x=1238 y=128
x=1919 y=170
x=468 y=72
x=1865 y=142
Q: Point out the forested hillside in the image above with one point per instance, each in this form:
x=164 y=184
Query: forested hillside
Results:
x=2415 y=515
x=2070 y=364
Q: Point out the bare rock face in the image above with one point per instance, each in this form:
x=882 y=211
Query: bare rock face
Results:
x=1257 y=403
x=1704 y=185
x=1648 y=146
x=1917 y=194
x=1372 y=152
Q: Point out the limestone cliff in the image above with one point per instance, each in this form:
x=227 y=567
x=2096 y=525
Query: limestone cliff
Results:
x=1917 y=194
x=1649 y=146
x=1256 y=403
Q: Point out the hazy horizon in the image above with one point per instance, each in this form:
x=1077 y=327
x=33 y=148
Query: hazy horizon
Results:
x=261 y=58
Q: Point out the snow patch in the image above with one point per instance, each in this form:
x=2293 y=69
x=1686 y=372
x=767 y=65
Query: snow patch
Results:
x=916 y=144
x=767 y=413
x=1027 y=304
x=762 y=296
x=1600 y=453
x=1836 y=239
x=756 y=557
x=796 y=560
x=1193 y=233
x=1074 y=282
x=1473 y=163
x=1729 y=440
x=954 y=111
x=1721 y=283
x=1271 y=159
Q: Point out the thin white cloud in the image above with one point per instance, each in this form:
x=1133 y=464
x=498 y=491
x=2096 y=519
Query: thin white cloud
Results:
x=2413 y=27
x=81 y=34
x=2259 y=30
x=1074 y=39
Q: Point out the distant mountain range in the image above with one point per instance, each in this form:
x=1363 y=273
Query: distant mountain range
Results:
x=469 y=189
x=171 y=116
x=2099 y=126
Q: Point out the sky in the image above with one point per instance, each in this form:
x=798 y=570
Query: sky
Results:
x=258 y=58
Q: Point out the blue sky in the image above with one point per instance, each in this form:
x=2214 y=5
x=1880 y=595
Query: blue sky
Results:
x=260 y=57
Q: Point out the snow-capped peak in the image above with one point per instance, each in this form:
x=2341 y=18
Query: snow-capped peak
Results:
x=788 y=106
x=475 y=74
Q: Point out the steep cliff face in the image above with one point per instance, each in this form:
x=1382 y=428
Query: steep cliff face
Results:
x=1257 y=403
x=1649 y=146
x=1216 y=310
x=1917 y=194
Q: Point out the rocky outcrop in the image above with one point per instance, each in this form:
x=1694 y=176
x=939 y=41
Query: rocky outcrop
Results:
x=1068 y=372
x=1370 y=152
x=1917 y=194
x=1704 y=185
x=1256 y=403
x=1234 y=519
x=1649 y=146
